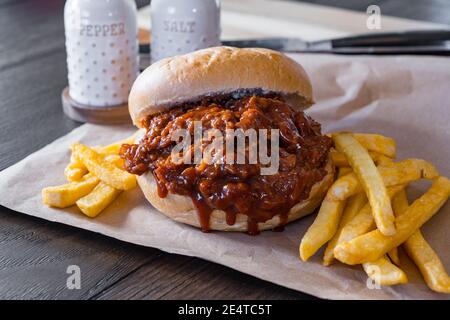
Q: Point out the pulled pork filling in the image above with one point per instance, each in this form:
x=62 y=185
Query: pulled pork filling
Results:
x=234 y=188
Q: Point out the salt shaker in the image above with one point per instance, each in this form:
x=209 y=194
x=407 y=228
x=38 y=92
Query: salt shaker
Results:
x=180 y=26
x=102 y=50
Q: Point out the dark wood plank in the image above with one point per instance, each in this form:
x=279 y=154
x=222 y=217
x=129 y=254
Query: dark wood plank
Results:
x=179 y=277
x=32 y=73
x=35 y=254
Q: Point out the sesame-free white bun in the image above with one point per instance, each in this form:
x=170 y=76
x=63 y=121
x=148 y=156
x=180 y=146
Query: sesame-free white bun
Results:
x=182 y=209
x=214 y=71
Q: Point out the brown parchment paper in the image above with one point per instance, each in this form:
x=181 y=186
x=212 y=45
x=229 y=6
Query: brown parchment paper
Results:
x=403 y=97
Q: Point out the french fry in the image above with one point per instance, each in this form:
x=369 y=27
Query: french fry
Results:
x=381 y=160
x=423 y=255
x=397 y=173
x=373 y=245
x=353 y=206
x=407 y=171
x=322 y=229
x=344 y=171
x=75 y=170
x=377 y=143
x=345 y=187
x=371 y=180
x=102 y=196
x=66 y=195
x=428 y=262
x=339 y=159
x=115 y=159
x=399 y=205
x=114 y=148
x=363 y=221
x=384 y=273
x=104 y=170
x=393 y=255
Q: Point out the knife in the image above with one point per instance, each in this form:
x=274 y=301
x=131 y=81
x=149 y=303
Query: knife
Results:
x=435 y=42
x=426 y=42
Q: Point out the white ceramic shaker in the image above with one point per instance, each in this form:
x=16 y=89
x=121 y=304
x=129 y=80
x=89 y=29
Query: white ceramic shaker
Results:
x=181 y=26
x=102 y=50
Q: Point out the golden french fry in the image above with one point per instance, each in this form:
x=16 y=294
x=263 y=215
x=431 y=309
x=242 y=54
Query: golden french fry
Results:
x=102 y=196
x=428 y=262
x=363 y=221
x=340 y=160
x=399 y=205
x=66 y=195
x=384 y=273
x=75 y=170
x=104 y=170
x=380 y=159
x=407 y=171
x=377 y=143
x=428 y=171
x=344 y=171
x=397 y=173
x=422 y=253
x=353 y=206
x=370 y=179
x=322 y=229
x=371 y=246
x=116 y=160
x=374 y=143
x=114 y=148
x=345 y=187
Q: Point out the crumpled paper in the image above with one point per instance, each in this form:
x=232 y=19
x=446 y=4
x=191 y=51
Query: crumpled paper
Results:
x=403 y=97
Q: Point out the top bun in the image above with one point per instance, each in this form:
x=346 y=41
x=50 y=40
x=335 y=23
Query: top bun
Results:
x=215 y=71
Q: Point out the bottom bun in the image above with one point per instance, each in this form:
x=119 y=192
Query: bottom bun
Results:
x=182 y=209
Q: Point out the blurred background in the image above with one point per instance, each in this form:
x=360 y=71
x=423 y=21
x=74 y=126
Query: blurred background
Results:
x=428 y=10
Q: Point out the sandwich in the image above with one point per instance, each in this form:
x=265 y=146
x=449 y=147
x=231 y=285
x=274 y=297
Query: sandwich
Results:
x=240 y=96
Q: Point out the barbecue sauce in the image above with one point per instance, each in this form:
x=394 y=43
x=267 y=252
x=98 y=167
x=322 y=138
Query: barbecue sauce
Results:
x=235 y=188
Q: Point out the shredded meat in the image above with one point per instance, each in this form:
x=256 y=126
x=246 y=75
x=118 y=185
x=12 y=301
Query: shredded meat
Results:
x=234 y=188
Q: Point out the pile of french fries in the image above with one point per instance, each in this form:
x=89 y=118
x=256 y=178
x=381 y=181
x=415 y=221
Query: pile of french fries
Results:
x=365 y=215
x=95 y=179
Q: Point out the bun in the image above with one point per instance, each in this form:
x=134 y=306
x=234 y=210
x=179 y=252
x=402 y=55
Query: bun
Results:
x=215 y=71
x=182 y=209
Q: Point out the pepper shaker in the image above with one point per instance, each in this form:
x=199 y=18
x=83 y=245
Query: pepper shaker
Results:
x=102 y=53
x=180 y=26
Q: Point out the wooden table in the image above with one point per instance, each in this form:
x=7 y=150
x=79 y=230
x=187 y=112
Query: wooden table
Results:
x=34 y=253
